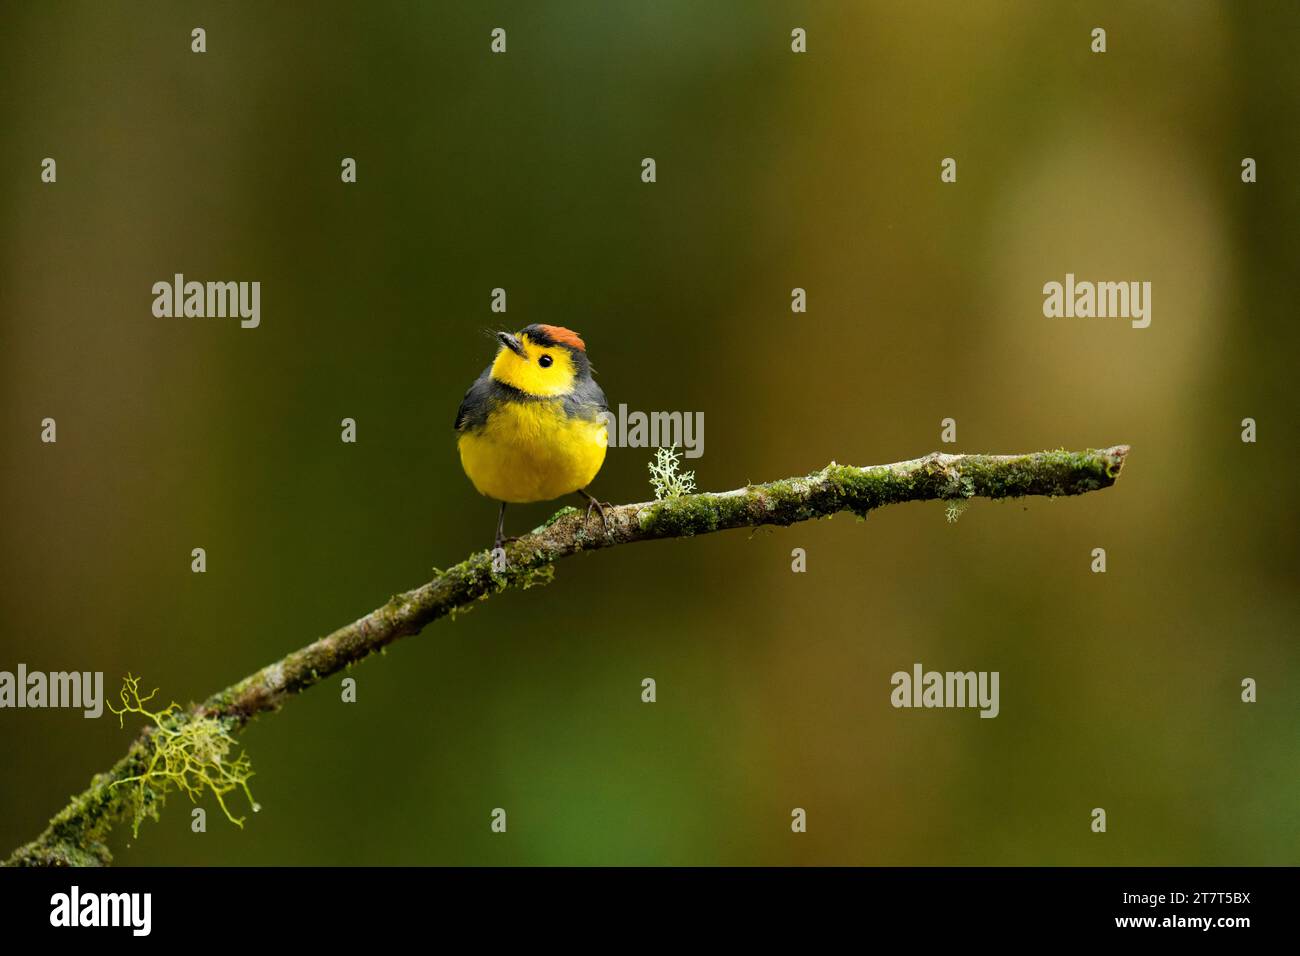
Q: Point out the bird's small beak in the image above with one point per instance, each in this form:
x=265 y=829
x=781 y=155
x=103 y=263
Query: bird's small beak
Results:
x=512 y=343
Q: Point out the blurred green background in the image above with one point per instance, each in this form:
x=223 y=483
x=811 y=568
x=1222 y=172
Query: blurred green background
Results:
x=775 y=170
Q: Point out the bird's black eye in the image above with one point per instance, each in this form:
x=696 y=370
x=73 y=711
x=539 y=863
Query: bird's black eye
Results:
x=544 y=361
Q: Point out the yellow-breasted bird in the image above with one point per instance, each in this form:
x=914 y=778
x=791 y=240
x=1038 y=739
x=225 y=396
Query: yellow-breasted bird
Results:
x=532 y=426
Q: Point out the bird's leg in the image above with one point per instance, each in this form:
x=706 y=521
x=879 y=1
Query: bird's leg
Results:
x=596 y=506
x=501 y=528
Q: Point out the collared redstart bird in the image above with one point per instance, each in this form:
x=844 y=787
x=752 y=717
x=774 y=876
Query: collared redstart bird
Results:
x=532 y=426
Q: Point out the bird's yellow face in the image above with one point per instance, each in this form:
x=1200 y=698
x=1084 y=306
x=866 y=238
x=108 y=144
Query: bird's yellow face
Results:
x=546 y=371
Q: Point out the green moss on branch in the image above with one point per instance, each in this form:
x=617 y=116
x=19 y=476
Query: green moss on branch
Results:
x=77 y=835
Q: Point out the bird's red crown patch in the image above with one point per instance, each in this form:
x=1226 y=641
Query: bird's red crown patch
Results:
x=562 y=336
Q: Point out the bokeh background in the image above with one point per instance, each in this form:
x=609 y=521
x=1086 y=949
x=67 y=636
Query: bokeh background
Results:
x=775 y=170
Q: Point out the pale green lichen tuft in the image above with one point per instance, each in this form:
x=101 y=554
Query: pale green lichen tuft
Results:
x=665 y=478
x=188 y=752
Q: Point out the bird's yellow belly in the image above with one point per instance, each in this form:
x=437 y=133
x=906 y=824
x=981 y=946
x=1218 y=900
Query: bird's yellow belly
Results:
x=532 y=451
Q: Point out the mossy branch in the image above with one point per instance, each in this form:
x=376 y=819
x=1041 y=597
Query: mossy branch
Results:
x=77 y=835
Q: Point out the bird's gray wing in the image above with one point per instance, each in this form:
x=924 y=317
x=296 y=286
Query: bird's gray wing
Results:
x=586 y=400
x=473 y=409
